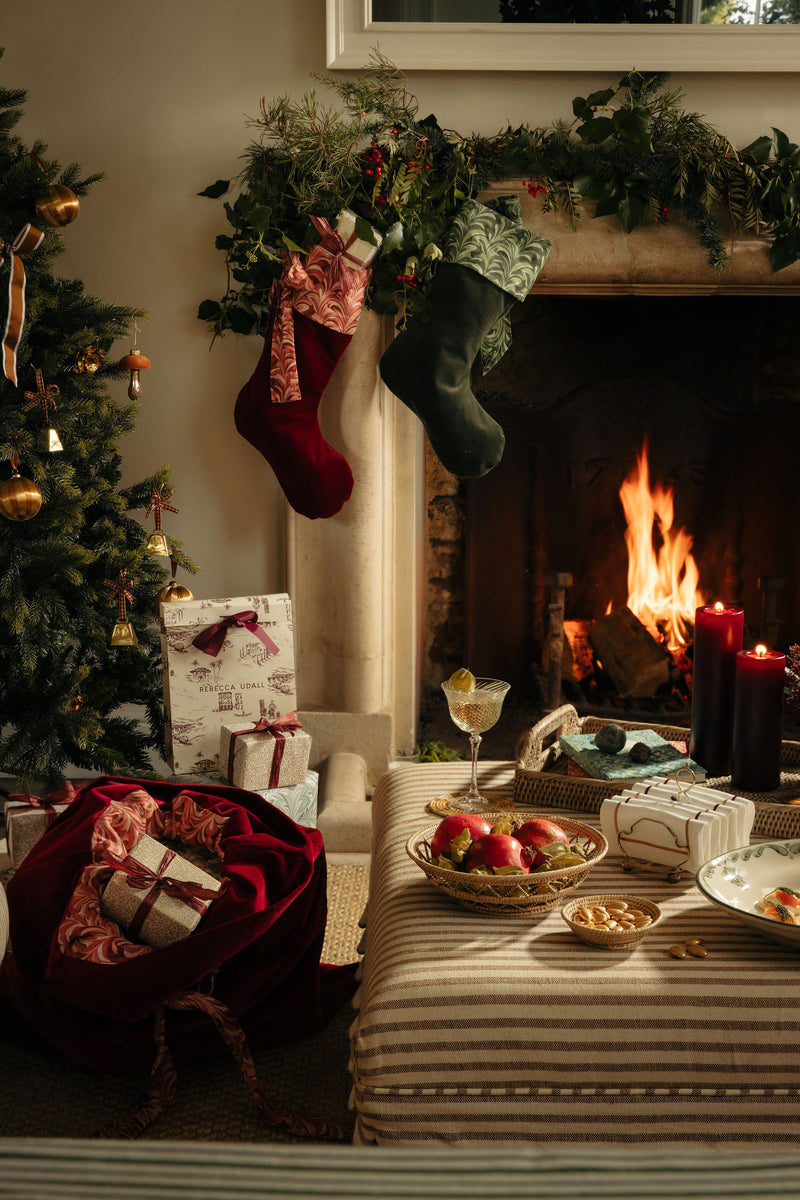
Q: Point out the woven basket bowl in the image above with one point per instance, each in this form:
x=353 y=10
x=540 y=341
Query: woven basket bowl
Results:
x=511 y=895
x=611 y=939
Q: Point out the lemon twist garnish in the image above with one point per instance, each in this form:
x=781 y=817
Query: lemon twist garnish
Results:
x=462 y=680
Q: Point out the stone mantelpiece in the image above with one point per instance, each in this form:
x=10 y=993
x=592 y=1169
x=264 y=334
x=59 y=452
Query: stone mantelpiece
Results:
x=357 y=579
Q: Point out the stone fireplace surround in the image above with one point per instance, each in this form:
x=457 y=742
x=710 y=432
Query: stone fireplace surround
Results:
x=356 y=580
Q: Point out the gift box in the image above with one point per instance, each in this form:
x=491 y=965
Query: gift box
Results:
x=357 y=251
x=298 y=802
x=27 y=818
x=156 y=894
x=264 y=754
x=222 y=661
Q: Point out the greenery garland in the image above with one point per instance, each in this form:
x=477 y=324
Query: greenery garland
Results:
x=631 y=149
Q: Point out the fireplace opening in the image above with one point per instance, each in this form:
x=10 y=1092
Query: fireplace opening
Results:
x=692 y=401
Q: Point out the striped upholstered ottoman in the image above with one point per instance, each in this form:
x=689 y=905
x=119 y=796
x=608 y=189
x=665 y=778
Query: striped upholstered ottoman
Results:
x=498 y=1029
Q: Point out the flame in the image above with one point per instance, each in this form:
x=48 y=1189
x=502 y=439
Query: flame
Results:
x=662 y=574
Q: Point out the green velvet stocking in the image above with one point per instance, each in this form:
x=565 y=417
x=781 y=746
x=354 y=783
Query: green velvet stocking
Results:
x=490 y=261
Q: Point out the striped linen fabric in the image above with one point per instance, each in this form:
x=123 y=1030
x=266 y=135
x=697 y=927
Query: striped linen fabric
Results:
x=63 y=1169
x=509 y=1029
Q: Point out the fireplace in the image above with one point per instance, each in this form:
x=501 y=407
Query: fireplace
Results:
x=391 y=594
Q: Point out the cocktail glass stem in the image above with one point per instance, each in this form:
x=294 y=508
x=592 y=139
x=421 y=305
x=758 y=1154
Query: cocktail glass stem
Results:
x=473 y=795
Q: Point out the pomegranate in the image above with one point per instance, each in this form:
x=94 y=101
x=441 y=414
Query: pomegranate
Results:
x=456 y=833
x=537 y=833
x=497 y=854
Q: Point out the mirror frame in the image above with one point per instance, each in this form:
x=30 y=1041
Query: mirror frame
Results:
x=459 y=46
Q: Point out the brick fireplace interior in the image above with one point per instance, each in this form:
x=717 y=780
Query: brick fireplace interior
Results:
x=709 y=386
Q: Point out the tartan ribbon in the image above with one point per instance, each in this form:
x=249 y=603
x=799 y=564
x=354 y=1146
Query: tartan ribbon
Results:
x=211 y=640
x=43 y=395
x=285 y=724
x=121 y=590
x=28 y=238
x=158 y=501
x=142 y=878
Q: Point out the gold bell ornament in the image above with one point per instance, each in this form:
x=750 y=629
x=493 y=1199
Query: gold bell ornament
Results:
x=157 y=543
x=44 y=395
x=57 y=206
x=123 y=634
x=20 y=498
x=172 y=592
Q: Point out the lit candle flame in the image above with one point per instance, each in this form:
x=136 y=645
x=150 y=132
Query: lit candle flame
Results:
x=761 y=651
x=719 y=607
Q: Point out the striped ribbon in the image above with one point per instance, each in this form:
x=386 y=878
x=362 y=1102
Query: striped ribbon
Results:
x=26 y=240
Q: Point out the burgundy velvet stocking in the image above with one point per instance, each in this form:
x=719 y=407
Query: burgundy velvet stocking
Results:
x=315 y=477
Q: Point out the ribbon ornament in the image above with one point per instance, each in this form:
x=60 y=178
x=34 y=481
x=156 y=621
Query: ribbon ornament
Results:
x=158 y=501
x=26 y=240
x=211 y=640
x=43 y=395
x=285 y=724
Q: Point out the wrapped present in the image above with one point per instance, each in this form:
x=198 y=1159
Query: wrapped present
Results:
x=156 y=894
x=222 y=661
x=264 y=754
x=299 y=801
x=27 y=817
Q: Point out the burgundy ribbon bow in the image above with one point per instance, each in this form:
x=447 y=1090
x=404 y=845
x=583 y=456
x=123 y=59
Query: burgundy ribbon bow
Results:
x=142 y=878
x=44 y=394
x=27 y=239
x=211 y=640
x=332 y=240
x=285 y=724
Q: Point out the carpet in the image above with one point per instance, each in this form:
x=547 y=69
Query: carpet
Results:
x=43 y=1095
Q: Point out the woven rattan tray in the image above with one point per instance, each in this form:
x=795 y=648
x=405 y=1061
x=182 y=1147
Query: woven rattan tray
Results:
x=541 y=779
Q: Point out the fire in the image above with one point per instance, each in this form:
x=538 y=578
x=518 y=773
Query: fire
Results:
x=662 y=574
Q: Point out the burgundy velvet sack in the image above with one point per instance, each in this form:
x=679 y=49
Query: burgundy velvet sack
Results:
x=98 y=997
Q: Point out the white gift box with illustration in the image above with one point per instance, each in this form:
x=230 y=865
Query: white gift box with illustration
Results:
x=223 y=660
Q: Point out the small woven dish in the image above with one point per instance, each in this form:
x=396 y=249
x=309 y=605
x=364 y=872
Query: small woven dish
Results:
x=611 y=939
x=510 y=895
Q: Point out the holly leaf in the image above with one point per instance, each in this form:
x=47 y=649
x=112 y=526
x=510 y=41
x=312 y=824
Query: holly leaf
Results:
x=365 y=232
x=215 y=190
x=393 y=238
x=590 y=187
x=607 y=207
x=759 y=150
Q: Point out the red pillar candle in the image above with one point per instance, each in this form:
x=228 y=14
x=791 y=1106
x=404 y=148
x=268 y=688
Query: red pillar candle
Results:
x=718 y=635
x=758 y=719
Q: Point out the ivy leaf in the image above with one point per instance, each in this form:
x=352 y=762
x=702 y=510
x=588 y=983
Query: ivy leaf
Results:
x=291 y=245
x=240 y=320
x=260 y=218
x=598 y=99
x=208 y=310
x=215 y=190
x=785 y=248
x=607 y=207
x=223 y=241
x=595 y=131
x=759 y=150
x=589 y=186
x=633 y=127
x=630 y=212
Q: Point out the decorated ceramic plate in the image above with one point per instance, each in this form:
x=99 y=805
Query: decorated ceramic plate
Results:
x=738 y=880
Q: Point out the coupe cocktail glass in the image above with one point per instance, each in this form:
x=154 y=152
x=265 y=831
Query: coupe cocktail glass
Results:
x=475 y=711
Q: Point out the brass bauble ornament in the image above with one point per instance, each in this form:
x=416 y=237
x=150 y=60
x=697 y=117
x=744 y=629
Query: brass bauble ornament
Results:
x=172 y=593
x=89 y=360
x=20 y=498
x=57 y=206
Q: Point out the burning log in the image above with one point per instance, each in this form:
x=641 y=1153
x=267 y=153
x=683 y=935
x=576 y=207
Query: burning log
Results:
x=629 y=654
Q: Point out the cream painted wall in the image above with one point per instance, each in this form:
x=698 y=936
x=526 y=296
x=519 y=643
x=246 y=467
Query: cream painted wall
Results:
x=156 y=95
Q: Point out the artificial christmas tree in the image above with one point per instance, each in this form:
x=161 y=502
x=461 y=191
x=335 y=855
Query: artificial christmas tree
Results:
x=62 y=683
